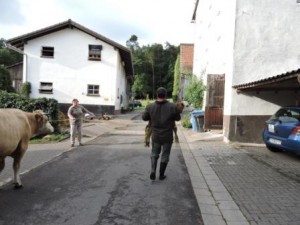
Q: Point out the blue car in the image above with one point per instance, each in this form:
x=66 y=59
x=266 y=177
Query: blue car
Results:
x=282 y=130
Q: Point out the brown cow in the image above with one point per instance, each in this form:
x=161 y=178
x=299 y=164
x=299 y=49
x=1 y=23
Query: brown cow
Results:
x=16 y=129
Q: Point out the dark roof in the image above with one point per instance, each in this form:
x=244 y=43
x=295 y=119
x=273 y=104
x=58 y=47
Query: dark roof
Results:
x=13 y=65
x=125 y=53
x=285 y=81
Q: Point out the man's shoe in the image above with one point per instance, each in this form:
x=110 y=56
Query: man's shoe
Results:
x=153 y=168
x=80 y=144
x=72 y=145
x=162 y=177
x=162 y=170
x=152 y=176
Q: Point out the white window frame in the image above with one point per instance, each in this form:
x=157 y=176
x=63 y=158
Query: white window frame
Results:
x=95 y=52
x=46 y=87
x=93 y=90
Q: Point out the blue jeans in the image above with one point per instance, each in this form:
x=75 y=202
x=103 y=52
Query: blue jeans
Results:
x=165 y=148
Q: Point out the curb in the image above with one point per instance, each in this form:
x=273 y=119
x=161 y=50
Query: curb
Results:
x=216 y=204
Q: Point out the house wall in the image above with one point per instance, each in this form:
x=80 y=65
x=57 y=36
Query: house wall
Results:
x=186 y=66
x=214 y=39
x=70 y=71
x=265 y=45
x=247 y=41
x=121 y=91
x=214 y=28
x=266 y=40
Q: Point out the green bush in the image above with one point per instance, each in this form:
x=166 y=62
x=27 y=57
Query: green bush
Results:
x=5 y=80
x=25 y=89
x=49 y=106
x=194 y=92
x=185 y=121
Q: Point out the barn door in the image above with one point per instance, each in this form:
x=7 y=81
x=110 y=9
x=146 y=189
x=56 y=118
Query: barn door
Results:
x=214 y=101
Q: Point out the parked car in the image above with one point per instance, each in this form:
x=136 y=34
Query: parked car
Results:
x=282 y=130
x=89 y=116
x=135 y=103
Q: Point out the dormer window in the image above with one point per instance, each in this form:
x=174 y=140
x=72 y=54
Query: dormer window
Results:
x=47 y=52
x=95 y=52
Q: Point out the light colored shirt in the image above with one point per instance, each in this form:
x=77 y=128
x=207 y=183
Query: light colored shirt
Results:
x=77 y=112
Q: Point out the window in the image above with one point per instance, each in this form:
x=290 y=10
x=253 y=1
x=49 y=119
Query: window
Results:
x=95 y=52
x=47 y=52
x=46 y=88
x=93 y=89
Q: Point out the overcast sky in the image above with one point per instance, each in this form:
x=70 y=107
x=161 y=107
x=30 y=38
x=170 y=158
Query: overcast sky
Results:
x=152 y=21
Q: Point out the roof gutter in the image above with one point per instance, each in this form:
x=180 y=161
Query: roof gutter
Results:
x=6 y=45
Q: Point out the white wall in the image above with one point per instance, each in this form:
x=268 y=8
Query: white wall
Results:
x=70 y=71
x=266 y=45
x=213 y=51
x=214 y=36
x=121 y=85
x=267 y=39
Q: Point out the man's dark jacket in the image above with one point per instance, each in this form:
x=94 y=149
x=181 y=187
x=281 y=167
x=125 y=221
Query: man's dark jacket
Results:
x=162 y=116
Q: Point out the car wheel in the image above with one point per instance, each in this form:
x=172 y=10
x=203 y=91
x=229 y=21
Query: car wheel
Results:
x=273 y=149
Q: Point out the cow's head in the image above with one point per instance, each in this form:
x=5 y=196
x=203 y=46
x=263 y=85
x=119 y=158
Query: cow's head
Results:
x=180 y=106
x=43 y=125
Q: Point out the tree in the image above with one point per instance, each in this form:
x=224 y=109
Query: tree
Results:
x=138 y=88
x=176 y=79
x=5 y=80
x=7 y=56
x=153 y=66
x=132 y=43
x=194 y=92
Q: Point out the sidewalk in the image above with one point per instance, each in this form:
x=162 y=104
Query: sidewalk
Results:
x=216 y=204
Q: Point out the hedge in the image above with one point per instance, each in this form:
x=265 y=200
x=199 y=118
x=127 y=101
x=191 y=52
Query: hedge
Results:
x=49 y=106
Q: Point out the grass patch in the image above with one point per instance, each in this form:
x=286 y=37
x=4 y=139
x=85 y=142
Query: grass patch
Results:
x=48 y=138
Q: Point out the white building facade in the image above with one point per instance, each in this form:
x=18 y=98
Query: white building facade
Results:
x=250 y=42
x=67 y=61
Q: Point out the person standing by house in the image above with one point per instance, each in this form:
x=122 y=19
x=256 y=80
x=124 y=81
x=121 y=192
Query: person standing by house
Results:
x=163 y=115
x=76 y=114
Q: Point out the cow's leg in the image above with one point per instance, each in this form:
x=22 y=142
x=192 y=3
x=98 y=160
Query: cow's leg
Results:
x=16 y=166
x=17 y=163
x=148 y=132
x=175 y=132
x=2 y=163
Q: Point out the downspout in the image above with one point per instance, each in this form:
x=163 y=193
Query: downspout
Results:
x=6 y=45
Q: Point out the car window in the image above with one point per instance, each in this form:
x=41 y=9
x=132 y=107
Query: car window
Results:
x=287 y=115
x=287 y=119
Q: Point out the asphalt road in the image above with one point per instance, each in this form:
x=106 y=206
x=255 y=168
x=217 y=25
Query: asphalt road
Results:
x=104 y=182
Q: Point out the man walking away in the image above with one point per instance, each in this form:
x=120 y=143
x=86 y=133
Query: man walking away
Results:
x=163 y=115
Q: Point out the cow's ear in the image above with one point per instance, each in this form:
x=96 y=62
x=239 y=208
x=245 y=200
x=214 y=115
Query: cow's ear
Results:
x=39 y=117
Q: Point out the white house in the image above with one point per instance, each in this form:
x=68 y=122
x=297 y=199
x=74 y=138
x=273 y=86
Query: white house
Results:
x=254 y=45
x=68 y=60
